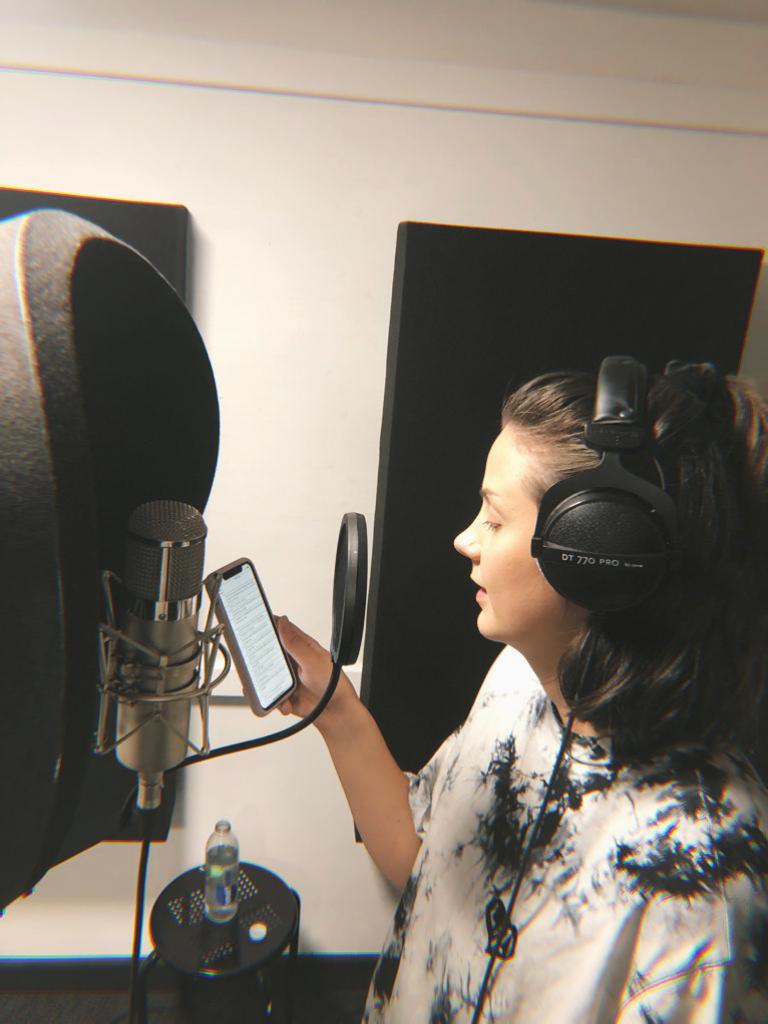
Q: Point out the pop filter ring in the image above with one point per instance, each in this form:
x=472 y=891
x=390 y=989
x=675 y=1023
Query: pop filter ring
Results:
x=349 y=582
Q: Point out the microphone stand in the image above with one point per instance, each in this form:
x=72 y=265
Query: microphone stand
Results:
x=138 y=920
x=350 y=580
x=112 y=688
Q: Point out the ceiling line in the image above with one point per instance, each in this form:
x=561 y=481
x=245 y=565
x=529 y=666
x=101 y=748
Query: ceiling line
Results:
x=722 y=11
x=329 y=97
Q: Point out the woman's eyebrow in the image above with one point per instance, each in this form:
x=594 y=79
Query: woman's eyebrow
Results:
x=488 y=495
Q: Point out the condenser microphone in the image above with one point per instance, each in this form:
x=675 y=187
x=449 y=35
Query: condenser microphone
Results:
x=159 y=650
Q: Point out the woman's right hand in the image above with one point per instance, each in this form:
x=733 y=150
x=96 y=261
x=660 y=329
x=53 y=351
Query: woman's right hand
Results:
x=313 y=665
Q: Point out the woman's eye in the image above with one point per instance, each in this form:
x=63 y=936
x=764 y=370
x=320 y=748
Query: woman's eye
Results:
x=491 y=526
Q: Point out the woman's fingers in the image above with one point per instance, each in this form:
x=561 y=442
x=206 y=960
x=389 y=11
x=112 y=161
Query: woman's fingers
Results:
x=310 y=656
x=313 y=665
x=294 y=640
x=301 y=703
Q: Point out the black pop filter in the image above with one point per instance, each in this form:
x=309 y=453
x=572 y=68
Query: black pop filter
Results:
x=350 y=581
x=107 y=400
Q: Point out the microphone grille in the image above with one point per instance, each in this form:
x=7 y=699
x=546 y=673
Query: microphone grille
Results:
x=165 y=550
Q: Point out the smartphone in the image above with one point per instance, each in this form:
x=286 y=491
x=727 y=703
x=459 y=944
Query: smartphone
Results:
x=266 y=672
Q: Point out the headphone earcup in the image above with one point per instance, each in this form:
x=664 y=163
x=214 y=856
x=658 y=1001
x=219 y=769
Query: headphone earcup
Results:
x=588 y=543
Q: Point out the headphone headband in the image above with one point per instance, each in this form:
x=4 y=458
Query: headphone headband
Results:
x=605 y=537
x=618 y=421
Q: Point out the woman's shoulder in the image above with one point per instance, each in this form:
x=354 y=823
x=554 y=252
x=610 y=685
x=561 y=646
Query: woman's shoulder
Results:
x=700 y=820
x=720 y=781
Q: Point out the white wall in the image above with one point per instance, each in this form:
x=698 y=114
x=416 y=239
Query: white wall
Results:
x=296 y=200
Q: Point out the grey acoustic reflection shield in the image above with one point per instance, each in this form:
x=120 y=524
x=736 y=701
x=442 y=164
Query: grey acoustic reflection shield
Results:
x=107 y=400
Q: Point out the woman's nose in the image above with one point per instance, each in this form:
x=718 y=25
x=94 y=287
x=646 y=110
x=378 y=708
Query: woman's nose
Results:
x=466 y=543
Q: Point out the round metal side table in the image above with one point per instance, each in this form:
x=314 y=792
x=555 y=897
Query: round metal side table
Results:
x=266 y=925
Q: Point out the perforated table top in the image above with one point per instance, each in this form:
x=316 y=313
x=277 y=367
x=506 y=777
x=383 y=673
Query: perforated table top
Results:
x=266 y=922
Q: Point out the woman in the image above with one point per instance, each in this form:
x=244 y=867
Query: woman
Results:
x=591 y=845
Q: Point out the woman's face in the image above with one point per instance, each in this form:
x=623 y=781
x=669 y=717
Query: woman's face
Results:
x=517 y=605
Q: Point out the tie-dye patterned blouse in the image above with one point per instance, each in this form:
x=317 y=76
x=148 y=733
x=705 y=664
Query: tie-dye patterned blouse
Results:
x=646 y=898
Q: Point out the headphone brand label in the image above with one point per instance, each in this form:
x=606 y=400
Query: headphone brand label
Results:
x=590 y=560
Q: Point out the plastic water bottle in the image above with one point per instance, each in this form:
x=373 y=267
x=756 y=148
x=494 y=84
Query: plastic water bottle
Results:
x=222 y=863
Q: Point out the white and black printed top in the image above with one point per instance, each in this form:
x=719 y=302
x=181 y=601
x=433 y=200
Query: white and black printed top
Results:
x=646 y=898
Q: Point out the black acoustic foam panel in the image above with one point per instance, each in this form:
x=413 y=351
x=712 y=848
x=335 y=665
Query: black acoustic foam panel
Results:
x=159 y=231
x=476 y=312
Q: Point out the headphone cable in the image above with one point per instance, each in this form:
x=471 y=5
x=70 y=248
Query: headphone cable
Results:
x=502 y=934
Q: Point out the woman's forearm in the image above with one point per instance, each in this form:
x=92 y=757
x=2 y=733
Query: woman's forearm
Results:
x=376 y=790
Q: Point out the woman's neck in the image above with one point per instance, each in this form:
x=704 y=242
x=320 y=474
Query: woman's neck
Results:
x=551 y=686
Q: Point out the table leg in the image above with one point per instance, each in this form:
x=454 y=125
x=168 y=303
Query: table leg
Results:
x=141 y=985
x=293 y=953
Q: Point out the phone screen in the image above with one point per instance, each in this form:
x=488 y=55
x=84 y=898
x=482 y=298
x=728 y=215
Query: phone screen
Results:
x=245 y=609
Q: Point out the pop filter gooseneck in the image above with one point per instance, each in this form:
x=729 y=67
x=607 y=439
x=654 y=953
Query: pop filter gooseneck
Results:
x=350 y=583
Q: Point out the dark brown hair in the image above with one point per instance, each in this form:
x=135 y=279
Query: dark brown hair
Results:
x=689 y=664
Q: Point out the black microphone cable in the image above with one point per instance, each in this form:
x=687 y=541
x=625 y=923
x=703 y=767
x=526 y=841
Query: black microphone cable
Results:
x=232 y=748
x=138 y=920
x=147 y=816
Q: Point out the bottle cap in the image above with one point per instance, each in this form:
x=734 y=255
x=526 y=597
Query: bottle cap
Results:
x=223 y=826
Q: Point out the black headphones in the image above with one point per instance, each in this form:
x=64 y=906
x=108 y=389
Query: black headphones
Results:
x=605 y=538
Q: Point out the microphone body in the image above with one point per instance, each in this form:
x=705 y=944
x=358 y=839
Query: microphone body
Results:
x=159 y=652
